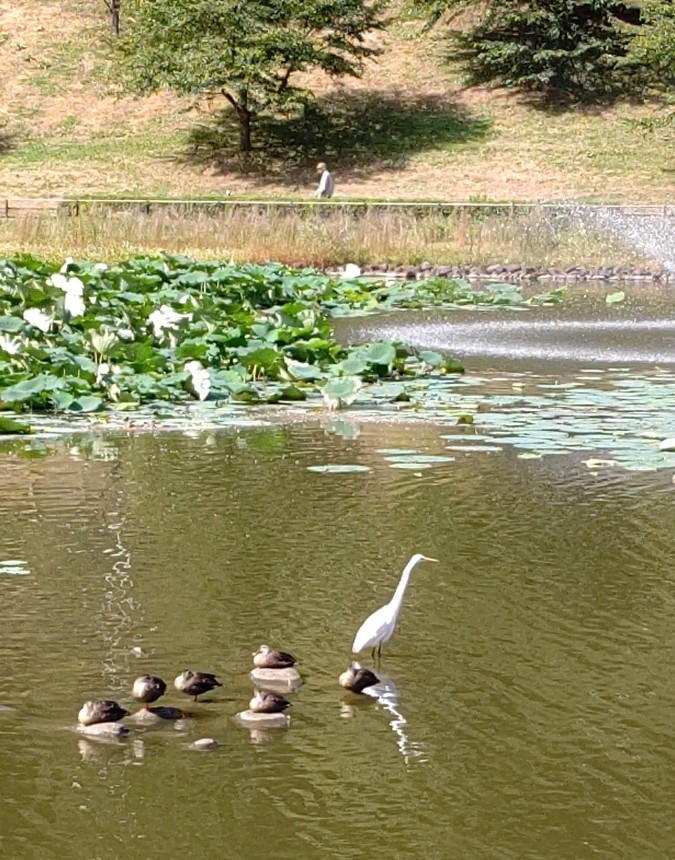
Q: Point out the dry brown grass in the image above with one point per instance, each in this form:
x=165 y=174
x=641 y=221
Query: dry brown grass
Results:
x=65 y=131
x=317 y=238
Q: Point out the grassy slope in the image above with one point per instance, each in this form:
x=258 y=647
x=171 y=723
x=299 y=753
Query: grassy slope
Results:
x=406 y=130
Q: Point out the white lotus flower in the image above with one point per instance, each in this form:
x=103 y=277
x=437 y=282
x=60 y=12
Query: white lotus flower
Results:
x=105 y=374
x=166 y=317
x=74 y=290
x=74 y=305
x=102 y=371
x=59 y=281
x=200 y=379
x=351 y=270
x=37 y=318
x=12 y=345
x=101 y=267
x=125 y=334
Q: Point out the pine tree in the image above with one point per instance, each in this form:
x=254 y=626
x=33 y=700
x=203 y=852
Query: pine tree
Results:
x=561 y=49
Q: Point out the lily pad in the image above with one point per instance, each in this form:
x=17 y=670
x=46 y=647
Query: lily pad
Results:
x=473 y=448
x=10 y=427
x=339 y=468
x=419 y=459
x=14 y=567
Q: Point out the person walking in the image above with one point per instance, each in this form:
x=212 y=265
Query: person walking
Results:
x=326 y=181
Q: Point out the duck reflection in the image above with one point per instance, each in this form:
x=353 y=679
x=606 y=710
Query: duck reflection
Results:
x=386 y=694
x=101 y=748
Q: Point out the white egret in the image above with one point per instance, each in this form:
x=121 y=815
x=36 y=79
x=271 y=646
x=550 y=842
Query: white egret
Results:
x=379 y=627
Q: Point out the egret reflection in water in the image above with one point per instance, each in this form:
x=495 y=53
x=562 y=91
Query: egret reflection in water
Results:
x=385 y=693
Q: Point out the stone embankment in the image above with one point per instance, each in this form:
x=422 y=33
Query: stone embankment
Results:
x=518 y=272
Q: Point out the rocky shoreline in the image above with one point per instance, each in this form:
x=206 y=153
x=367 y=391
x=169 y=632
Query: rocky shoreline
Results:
x=519 y=272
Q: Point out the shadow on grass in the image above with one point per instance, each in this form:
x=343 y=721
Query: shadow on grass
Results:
x=359 y=133
x=7 y=141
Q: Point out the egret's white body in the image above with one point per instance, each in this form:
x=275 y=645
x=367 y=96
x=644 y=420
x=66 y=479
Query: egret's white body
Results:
x=379 y=627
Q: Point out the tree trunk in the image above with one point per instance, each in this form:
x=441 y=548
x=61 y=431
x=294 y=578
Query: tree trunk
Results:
x=244 y=115
x=114 y=15
x=244 y=130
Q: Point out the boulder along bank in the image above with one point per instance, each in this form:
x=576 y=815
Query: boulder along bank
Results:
x=516 y=272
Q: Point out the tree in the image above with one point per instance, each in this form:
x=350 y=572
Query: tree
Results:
x=654 y=47
x=247 y=50
x=114 y=15
x=569 y=49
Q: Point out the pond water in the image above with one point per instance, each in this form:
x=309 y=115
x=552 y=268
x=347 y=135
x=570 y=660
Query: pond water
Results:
x=531 y=695
x=637 y=330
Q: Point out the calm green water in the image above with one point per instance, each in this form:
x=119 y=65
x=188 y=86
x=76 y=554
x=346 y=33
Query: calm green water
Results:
x=533 y=666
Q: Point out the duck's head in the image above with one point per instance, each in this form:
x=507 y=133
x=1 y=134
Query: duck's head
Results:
x=264 y=649
x=257 y=700
x=346 y=679
x=86 y=712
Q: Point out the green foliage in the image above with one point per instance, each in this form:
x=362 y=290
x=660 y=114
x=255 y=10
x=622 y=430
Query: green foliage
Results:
x=654 y=47
x=563 y=50
x=246 y=51
x=171 y=329
x=557 y=47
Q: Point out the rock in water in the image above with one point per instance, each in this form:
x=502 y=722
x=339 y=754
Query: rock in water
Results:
x=252 y=720
x=284 y=679
x=109 y=730
x=205 y=744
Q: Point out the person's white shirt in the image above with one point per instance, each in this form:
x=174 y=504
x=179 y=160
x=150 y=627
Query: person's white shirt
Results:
x=326 y=185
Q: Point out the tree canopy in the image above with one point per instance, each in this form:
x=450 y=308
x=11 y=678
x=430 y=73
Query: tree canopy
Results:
x=247 y=50
x=578 y=50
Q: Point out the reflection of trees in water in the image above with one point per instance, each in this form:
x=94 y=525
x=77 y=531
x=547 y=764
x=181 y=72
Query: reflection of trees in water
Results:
x=120 y=611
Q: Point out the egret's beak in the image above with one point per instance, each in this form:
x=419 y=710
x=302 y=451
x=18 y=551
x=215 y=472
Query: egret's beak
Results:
x=426 y=558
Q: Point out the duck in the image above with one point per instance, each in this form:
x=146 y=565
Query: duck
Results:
x=268 y=703
x=147 y=689
x=268 y=658
x=100 y=711
x=356 y=678
x=195 y=683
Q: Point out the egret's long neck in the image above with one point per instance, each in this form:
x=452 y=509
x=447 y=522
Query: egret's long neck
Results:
x=397 y=599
